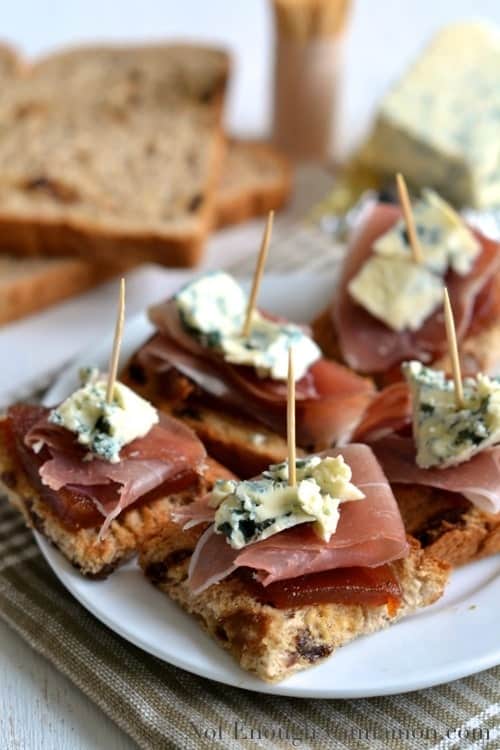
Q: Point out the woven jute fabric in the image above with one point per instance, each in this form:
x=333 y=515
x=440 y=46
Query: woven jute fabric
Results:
x=162 y=707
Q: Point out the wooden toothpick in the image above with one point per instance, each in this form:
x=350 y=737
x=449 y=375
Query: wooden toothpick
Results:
x=257 y=277
x=290 y=421
x=453 y=349
x=117 y=342
x=404 y=200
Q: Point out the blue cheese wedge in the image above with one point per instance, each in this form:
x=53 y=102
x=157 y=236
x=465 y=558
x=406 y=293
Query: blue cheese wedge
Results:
x=439 y=124
x=104 y=428
x=254 y=510
x=444 y=435
x=444 y=239
x=213 y=309
x=397 y=291
x=400 y=292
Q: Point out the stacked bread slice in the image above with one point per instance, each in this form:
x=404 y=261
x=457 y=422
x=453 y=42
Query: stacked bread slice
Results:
x=113 y=156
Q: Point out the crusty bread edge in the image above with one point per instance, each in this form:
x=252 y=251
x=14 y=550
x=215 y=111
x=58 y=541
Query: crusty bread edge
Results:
x=93 y=557
x=272 y=643
x=56 y=282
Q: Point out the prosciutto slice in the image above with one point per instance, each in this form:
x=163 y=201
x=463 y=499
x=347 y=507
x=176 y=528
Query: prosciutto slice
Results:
x=370 y=533
x=478 y=479
x=389 y=412
x=330 y=399
x=370 y=346
x=170 y=455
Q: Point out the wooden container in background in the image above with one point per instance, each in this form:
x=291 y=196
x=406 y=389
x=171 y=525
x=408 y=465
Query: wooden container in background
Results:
x=307 y=68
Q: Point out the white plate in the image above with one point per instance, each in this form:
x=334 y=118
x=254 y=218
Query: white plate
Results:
x=457 y=636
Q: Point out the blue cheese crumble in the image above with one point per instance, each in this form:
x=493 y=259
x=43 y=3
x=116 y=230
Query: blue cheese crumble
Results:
x=444 y=435
x=401 y=293
x=445 y=240
x=255 y=509
x=439 y=124
x=104 y=428
x=213 y=309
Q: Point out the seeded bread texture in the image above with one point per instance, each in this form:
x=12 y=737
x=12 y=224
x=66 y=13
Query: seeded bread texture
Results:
x=274 y=643
x=112 y=153
x=93 y=557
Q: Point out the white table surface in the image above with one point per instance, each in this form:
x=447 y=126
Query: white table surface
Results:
x=40 y=709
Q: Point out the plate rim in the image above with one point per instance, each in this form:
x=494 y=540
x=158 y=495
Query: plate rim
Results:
x=468 y=667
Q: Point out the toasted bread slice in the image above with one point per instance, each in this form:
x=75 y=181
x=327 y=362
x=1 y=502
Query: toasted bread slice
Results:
x=28 y=285
x=274 y=643
x=93 y=557
x=242 y=444
x=448 y=526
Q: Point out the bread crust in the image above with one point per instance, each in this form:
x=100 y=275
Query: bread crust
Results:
x=449 y=527
x=268 y=189
x=29 y=285
x=94 y=557
x=275 y=643
x=50 y=280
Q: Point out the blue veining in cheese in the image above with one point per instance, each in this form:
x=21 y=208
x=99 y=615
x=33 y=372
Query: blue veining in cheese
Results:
x=213 y=308
x=444 y=435
x=439 y=124
x=400 y=292
x=104 y=428
x=445 y=241
x=255 y=509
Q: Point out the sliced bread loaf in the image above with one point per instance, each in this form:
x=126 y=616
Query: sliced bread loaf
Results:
x=255 y=178
x=112 y=153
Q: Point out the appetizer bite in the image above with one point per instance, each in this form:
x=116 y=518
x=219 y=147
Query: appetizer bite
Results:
x=388 y=305
x=221 y=365
x=93 y=472
x=284 y=568
x=438 y=442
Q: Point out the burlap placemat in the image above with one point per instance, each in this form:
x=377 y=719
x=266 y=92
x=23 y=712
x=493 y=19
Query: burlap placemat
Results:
x=162 y=707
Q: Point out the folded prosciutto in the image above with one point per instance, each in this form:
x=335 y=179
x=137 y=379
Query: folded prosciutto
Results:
x=478 y=479
x=386 y=427
x=329 y=398
x=390 y=411
x=367 y=344
x=168 y=457
x=370 y=533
